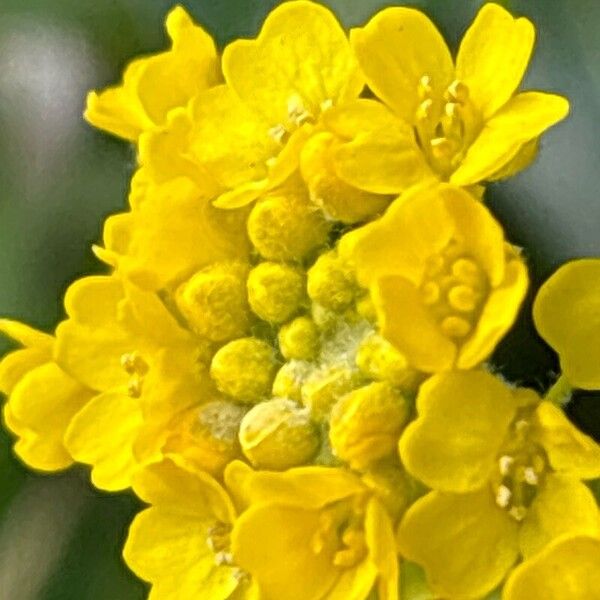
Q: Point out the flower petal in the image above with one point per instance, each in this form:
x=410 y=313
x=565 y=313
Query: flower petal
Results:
x=463 y=420
x=465 y=543
x=520 y=120
x=25 y=335
x=170 y=550
x=15 y=365
x=102 y=435
x=569 y=450
x=396 y=48
x=301 y=53
x=493 y=56
x=563 y=506
x=567 y=569
x=566 y=313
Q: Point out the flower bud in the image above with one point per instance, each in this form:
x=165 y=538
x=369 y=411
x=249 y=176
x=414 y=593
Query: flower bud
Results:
x=331 y=282
x=366 y=423
x=289 y=380
x=275 y=291
x=299 y=339
x=278 y=434
x=244 y=369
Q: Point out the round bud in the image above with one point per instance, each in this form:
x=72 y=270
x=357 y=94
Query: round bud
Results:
x=331 y=282
x=275 y=291
x=208 y=435
x=214 y=303
x=299 y=339
x=286 y=228
x=289 y=379
x=366 y=423
x=278 y=434
x=339 y=200
x=392 y=486
x=244 y=369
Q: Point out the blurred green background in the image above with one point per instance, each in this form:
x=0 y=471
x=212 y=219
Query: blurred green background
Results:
x=59 y=538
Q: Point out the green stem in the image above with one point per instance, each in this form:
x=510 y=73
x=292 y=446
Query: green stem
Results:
x=560 y=392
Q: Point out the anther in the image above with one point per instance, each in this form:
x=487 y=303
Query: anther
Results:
x=503 y=496
x=518 y=513
x=530 y=476
x=134 y=386
x=278 y=133
x=326 y=104
x=455 y=327
x=297 y=111
x=424 y=110
x=442 y=147
x=462 y=298
x=223 y=558
x=457 y=91
x=424 y=87
x=505 y=464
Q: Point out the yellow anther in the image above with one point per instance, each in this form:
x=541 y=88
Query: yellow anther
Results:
x=505 y=464
x=214 y=302
x=299 y=339
x=467 y=271
x=286 y=228
x=503 y=496
x=218 y=539
x=244 y=369
x=455 y=327
x=424 y=88
x=289 y=380
x=430 y=292
x=518 y=513
x=326 y=104
x=424 y=110
x=275 y=291
x=457 y=91
x=297 y=112
x=278 y=133
x=462 y=298
x=442 y=148
x=530 y=476
x=365 y=425
x=134 y=385
x=132 y=363
x=452 y=110
x=331 y=282
x=278 y=434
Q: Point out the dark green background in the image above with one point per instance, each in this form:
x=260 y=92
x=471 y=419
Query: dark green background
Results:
x=59 y=538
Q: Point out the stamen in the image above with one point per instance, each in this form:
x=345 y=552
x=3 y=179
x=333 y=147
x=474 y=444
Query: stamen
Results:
x=424 y=88
x=326 y=104
x=297 y=111
x=530 y=476
x=457 y=91
x=503 y=496
x=278 y=133
x=505 y=464
x=455 y=327
x=518 y=513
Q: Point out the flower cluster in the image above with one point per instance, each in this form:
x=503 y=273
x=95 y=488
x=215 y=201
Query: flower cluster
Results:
x=286 y=359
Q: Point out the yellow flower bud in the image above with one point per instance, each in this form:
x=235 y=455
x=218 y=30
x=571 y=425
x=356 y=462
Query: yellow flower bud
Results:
x=391 y=485
x=214 y=301
x=286 y=228
x=323 y=388
x=378 y=359
x=278 y=434
x=208 y=435
x=244 y=369
x=331 y=282
x=366 y=423
x=275 y=291
x=289 y=379
x=299 y=339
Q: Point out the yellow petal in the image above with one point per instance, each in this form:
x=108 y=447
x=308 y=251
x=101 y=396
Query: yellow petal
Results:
x=182 y=489
x=93 y=301
x=15 y=365
x=44 y=402
x=25 y=335
x=569 y=450
x=493 y=57
x=567 y=569
x=354 y=583
x=153 y=86
x=463 y=420
x=301 y=55
x=395 y=50
x=273 y=543
x=497 y=316
x=170 y=550
x=102 y=435
x=407 y=324
x=563 y=506
x=520 y=120
x=465 y=543
x=566 y=313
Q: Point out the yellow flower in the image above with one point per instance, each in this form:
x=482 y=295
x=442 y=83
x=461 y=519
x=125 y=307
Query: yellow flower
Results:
x=153 y=86
x=460 y=122
x=505 y=469
x=155 y=244
x=312 y=533
x=566 y=313
x=445 y=284
x=180 y=544
x=42 y=398
x=567 y=569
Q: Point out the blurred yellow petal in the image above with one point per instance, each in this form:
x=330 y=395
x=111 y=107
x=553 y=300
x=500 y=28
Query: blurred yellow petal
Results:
x=101 y=435
x=563 y=506
x=15 y=365
x=566 y=313
x=567 y=569
x=465 y=543
x=493 y=56
x=462 y=422
x=25 y=335
x=569 y=450
x=405 y=322
x=498 y=315
x=153 y=86
x=396 y=49
x=44 y=402
x=301 y=55
x=170 y=550
x=355 y=583
x=520 y=120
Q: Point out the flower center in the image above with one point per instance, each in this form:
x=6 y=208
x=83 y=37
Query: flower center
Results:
x=522 y=465
x=136 y=367
x=218 y=540
x=445 y=130
x=454 y=289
